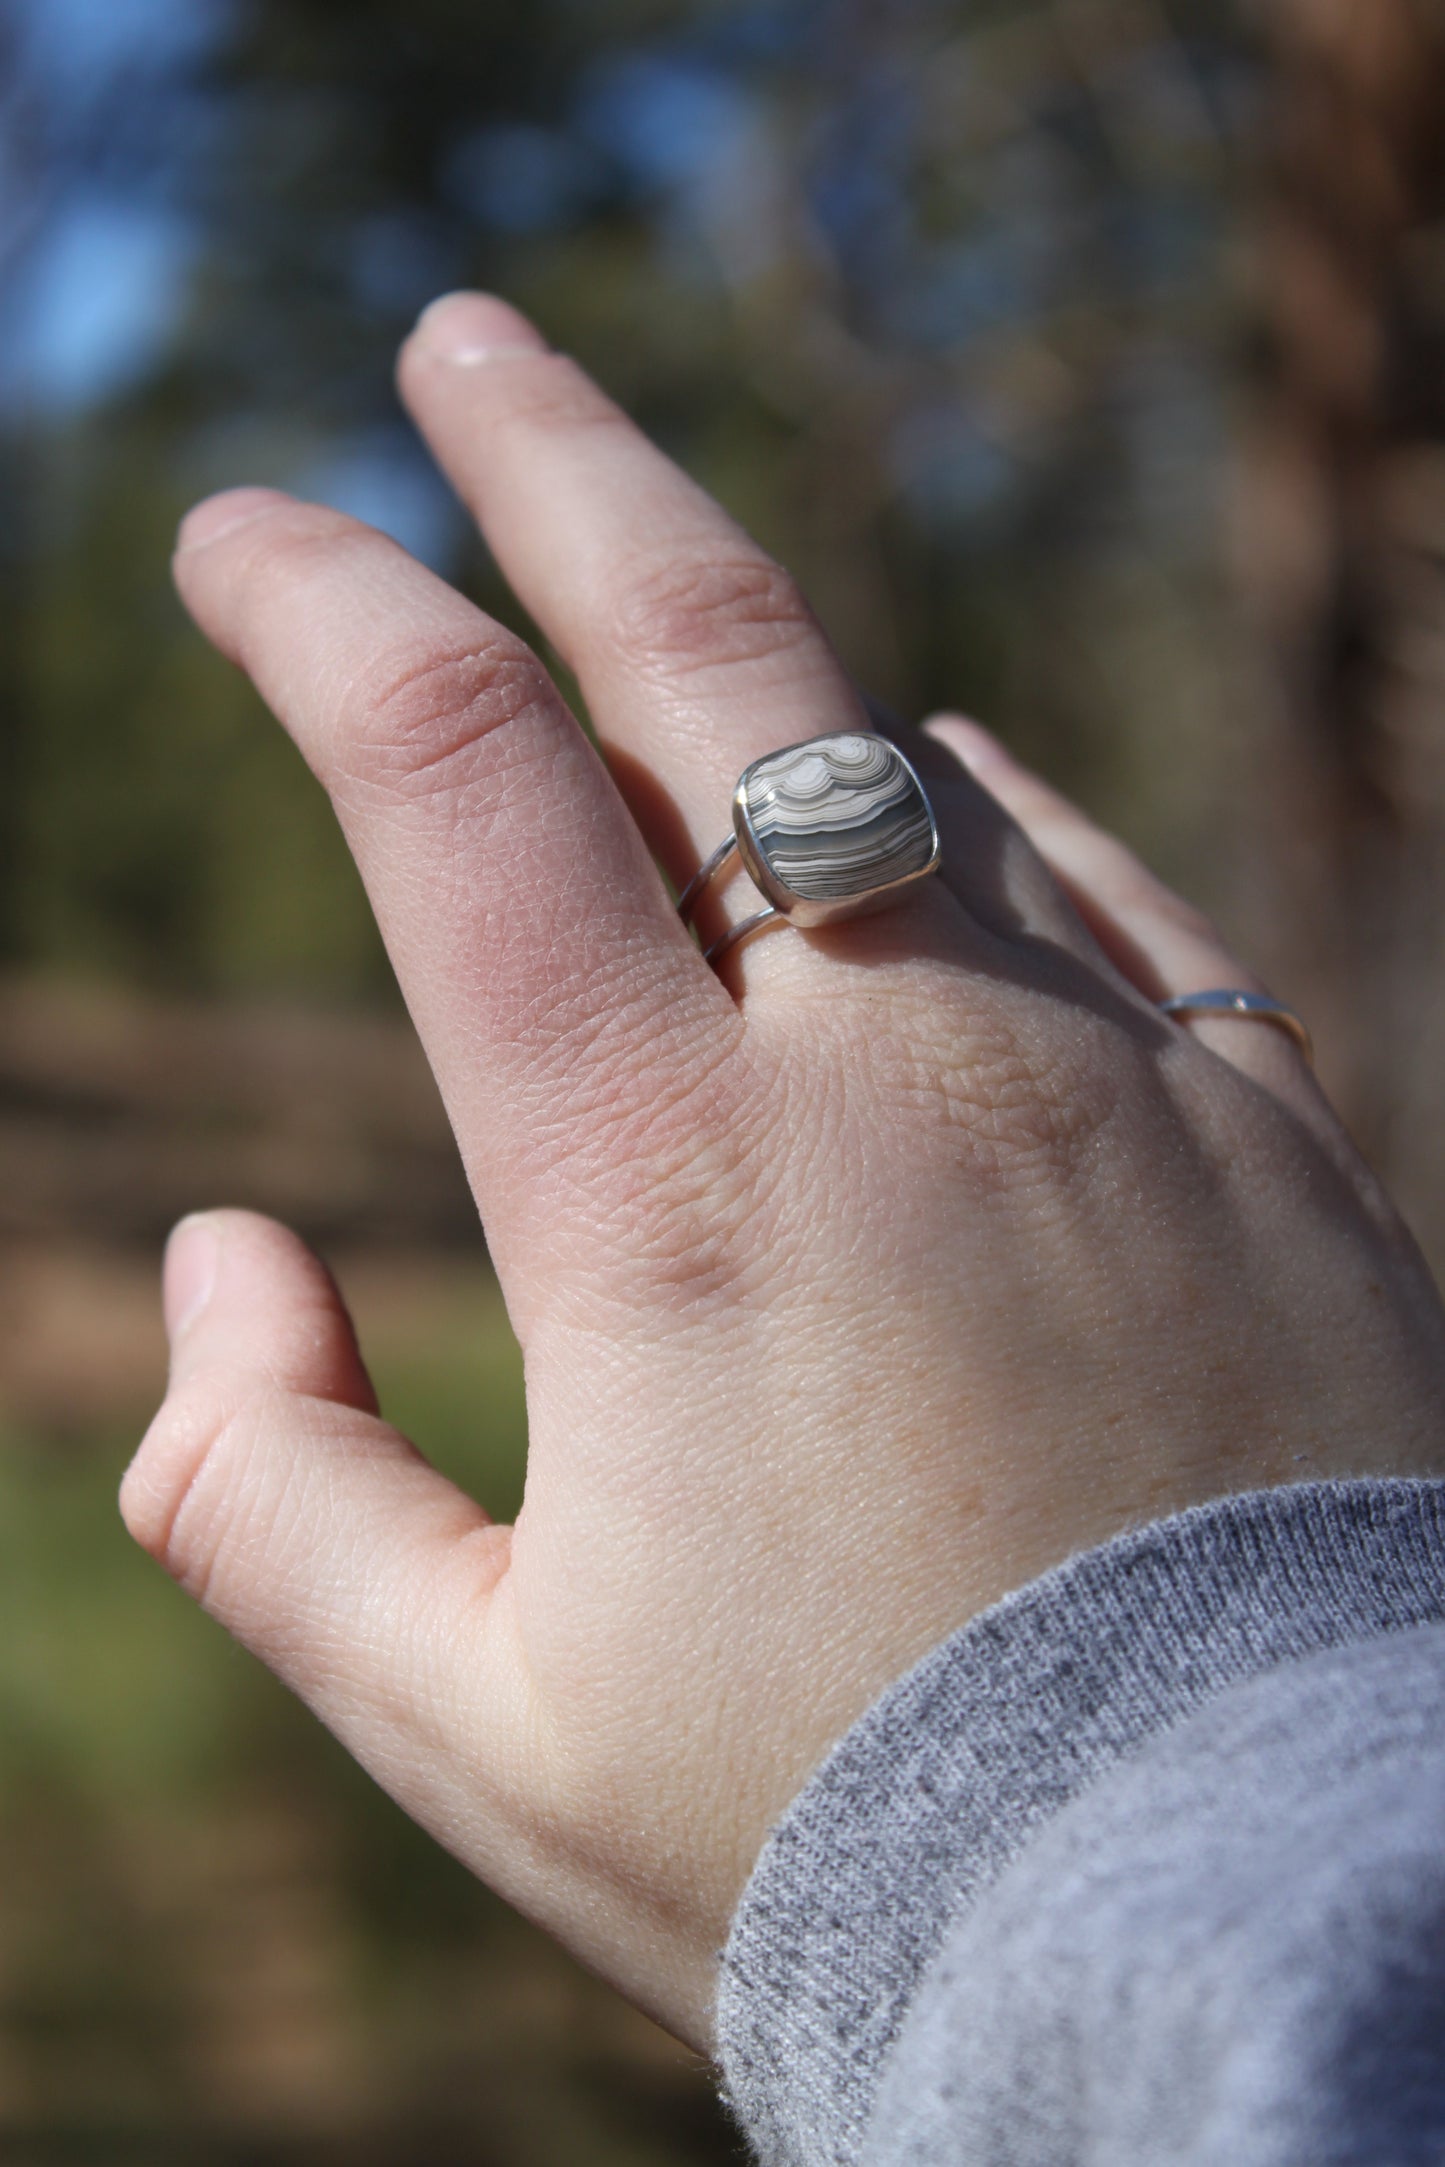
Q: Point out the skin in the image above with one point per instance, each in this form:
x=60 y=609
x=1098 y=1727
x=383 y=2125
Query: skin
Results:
x=858 y=1282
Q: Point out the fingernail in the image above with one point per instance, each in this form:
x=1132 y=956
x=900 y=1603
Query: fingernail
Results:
x=475 y=327
x=192 y=1254
x=215 y=516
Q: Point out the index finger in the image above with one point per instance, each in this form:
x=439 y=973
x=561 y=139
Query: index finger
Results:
x=555 y=992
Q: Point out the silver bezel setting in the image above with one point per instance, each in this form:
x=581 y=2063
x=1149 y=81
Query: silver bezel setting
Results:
x=801 y=910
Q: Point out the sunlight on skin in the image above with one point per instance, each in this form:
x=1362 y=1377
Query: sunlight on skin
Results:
x=830 y=1274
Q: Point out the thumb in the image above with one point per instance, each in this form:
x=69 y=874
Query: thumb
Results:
x=271 y=1489
x=279 y=1312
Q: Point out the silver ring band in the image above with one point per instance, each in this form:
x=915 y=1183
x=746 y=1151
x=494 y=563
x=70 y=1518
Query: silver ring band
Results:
x=1247 y=1007
x=702 y=878
x=829 y=829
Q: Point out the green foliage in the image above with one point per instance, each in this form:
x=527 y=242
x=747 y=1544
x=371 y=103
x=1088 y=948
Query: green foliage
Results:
x=169 y=834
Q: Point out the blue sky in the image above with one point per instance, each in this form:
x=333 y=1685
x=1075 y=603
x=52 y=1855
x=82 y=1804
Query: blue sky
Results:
x=98 y=264
x=102 y=249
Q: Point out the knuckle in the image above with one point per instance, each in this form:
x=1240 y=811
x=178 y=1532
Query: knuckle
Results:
x=1130 y=886
x=286 y=545
x=1187 y=918
x=685 y=1199
x=174 y=1494
x=684 y=1255
x=1041 y=1122
x=1025 y=1106
x=1188 y=926
x=417 y=719
x=694 y=1200
x=693 y=612
x=550 y=392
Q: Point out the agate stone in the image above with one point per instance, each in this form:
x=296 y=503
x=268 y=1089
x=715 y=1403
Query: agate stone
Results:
x=833 y=826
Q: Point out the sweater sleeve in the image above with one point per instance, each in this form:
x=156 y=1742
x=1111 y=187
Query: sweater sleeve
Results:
x=1147 y=1863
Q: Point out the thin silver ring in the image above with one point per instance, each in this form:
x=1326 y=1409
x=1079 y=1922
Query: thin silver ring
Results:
x=828 y=829
x=1248 y=1007
x=706 y=873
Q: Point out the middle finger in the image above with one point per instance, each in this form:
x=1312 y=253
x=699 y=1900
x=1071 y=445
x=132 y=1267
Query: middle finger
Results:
x=695 y=651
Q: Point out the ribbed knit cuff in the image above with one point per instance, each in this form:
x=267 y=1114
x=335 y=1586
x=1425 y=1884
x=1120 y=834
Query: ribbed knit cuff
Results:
x=936 y=1789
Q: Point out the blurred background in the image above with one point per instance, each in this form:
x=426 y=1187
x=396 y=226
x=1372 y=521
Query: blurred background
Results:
x=1086 y=358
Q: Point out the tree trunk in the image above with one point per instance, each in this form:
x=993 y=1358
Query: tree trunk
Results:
x=1344 y=531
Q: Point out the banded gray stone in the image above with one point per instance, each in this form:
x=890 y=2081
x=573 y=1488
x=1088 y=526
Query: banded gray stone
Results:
x=833 y=825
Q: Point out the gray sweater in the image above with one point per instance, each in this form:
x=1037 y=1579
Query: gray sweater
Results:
x=1145 y=1867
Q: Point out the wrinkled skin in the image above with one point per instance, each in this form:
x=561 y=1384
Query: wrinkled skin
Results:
x=858 y=1282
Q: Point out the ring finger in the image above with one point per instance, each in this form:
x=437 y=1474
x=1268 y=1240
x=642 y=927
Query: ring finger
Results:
x=1163 y=946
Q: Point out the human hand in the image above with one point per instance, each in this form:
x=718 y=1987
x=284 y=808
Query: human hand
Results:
x=857 y=1285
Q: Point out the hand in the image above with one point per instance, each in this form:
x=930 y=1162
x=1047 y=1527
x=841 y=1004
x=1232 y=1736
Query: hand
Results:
x=857 y=1284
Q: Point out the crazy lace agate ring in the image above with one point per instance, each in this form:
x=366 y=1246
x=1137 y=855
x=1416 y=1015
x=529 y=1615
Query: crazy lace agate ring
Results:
x=829 y=829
